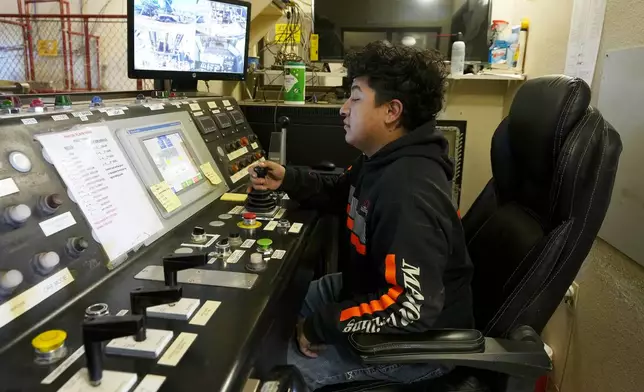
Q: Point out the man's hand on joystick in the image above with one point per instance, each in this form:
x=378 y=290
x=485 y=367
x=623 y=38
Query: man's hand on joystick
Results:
x=267 y=175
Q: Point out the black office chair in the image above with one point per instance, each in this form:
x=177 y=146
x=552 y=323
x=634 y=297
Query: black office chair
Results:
x=554 y=160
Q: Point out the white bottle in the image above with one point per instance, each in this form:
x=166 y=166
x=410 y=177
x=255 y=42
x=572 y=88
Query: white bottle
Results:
x=457 y=62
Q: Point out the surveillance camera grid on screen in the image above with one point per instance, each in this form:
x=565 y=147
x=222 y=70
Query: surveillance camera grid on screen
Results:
x=189 y=35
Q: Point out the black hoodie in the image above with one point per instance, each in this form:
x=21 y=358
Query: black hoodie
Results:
x=407 y=268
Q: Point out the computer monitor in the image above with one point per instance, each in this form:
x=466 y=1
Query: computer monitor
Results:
x=188 y=39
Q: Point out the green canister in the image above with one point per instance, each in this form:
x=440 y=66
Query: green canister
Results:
x=294 y=83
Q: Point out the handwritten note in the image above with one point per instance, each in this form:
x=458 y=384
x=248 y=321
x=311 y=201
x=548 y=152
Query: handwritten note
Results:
x=166 y=196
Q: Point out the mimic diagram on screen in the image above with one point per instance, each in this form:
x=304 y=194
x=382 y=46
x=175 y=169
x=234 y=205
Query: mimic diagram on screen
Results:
x=189 y=35
x=173 y=161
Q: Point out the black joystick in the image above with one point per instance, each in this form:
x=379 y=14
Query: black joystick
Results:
x=98 y=330
x=178 y=262
x=284 y=121
x=260 y=201
x=141 y=299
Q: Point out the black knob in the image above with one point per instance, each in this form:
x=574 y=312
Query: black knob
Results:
x=261 y=171
x=284 y=121
x=75 y=246
x=233 y=235
x=98 y=330
x=238 y=144
x=230 y=147
x=178 y=262
x=198 y=230
x=141 y=299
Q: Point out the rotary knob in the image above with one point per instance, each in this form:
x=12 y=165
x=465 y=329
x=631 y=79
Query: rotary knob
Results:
x=230 y=147
x=222 y=248
x=16 y=216
x=75 y=246
x=238 y=144
x=234 y=239
x=199 y=234
x=49 y=204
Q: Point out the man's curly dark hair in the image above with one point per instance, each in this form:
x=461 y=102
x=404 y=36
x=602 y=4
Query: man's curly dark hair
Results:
x=415 y=77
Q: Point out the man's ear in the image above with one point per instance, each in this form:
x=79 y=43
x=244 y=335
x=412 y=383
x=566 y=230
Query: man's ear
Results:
x=394 y=112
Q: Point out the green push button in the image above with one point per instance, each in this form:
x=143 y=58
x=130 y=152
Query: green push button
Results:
x=265 y=242
x=62 y=101
x=6 y=104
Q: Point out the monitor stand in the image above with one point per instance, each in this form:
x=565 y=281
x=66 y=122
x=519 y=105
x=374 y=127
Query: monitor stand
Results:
x=178 y=85
x=184 y=85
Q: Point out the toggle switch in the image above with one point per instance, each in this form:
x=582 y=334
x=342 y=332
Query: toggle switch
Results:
x=9 y=281
x=50 y=204
x=20 y=161
x=17 y=215
x=45 y=262
x=98 y=330
x=75 y=246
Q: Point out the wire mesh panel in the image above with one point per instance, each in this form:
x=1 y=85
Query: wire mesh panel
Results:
x=12 y=51
x=66 y=52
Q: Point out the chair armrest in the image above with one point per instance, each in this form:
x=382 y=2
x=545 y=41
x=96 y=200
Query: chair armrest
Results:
x=432 y=341
x=522 y=355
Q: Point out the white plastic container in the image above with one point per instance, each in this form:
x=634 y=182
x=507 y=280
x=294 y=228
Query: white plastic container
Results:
x=457 y=61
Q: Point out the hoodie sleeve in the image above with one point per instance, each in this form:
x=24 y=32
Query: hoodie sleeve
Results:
x=313 y=190
x=410 y=244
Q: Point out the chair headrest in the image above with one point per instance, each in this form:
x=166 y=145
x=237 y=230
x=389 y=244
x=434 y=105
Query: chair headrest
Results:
x=543 y=113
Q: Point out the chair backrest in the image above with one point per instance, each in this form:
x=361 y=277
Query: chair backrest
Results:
x=554 y=160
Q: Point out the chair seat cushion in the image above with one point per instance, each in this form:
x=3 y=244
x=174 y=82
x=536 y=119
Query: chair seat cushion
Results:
x=460 y=380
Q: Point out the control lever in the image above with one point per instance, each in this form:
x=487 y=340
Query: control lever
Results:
x=98 y=330
x=178 y=262
x=141 y=299
x=284 y=122
x=261 y=172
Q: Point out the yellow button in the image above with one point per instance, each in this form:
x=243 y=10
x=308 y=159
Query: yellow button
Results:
x=49 y=341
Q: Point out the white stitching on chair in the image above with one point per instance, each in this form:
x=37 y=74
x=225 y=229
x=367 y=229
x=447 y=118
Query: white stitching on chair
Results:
x=530 y=301
x=518 y=266
x=564 y=164
x=560 y=123
x=501 y=311
x=581 y=160
x=583 y=227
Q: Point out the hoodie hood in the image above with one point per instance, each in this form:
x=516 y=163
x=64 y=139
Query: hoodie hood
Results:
x=425 y=141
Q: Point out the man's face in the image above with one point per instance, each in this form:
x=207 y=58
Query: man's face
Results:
x=364 y=122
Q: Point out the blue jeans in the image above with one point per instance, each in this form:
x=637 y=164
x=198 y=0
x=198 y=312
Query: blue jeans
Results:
x=338 y=364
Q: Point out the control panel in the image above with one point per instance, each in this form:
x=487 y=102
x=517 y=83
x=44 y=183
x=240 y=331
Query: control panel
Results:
x=230 y=139
x=120 y=268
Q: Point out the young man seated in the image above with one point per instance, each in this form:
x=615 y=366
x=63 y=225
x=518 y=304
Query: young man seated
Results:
x=407 y=269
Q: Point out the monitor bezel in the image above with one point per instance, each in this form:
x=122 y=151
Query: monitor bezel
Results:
x=133 y=73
